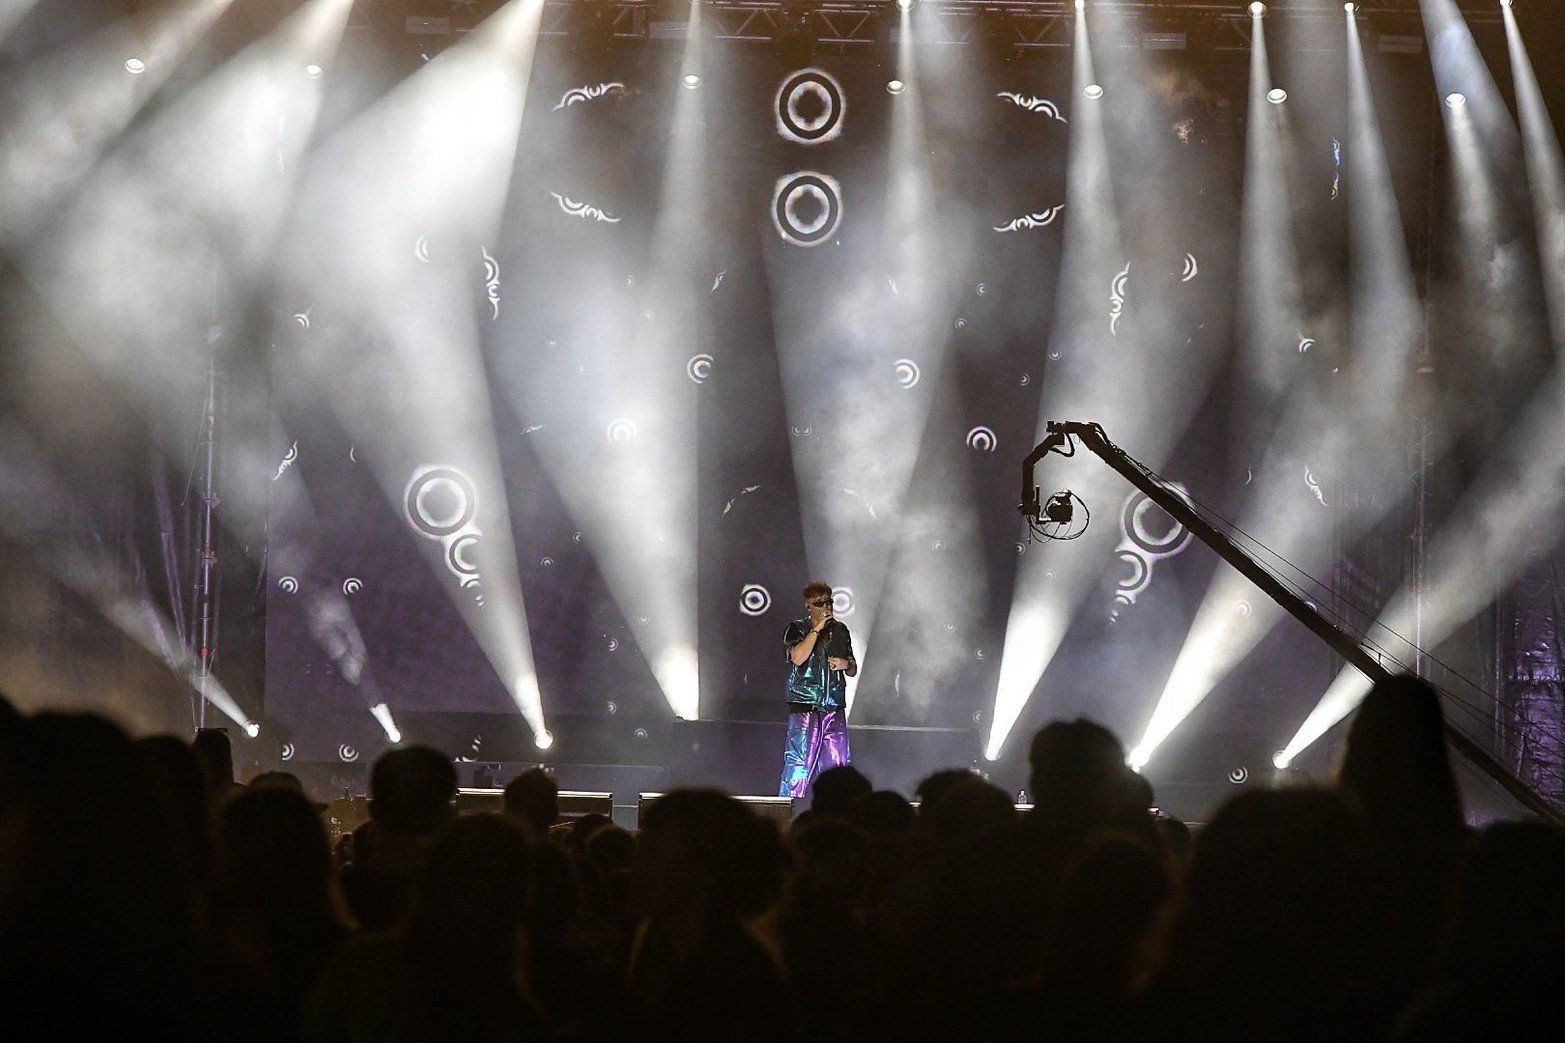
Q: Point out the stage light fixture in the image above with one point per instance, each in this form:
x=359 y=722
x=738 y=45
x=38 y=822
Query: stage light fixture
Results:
x=382 y=713
x=692 y=80
x=1138 y=758
x=1281 y=760
x=1350 y=7
x=1081 y=5
x=904 y=5
x=1456 y=100
x=313 y=71
x=135 y=66
x=1257 y=9
x=543 y=740
x=1093 y=91
x=1276 y=95
x=895 y=86
x=252 y=729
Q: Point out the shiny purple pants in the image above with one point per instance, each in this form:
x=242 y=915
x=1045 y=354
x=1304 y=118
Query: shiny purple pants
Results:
x=817 y=740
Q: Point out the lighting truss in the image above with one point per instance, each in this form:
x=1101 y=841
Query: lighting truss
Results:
x=1030 y=25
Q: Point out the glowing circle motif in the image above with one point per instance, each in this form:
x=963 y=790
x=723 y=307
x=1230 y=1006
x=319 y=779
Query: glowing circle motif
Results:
x=807 y=208
x=810 y=106
x=907 y=373
x=754 y=599
x=1141 y=546
x=983 y=439
x=842 y=601
x=699 y=368
x=441 y=501
x=347 y=754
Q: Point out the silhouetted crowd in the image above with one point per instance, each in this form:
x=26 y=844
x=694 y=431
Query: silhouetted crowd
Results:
x=144 y=894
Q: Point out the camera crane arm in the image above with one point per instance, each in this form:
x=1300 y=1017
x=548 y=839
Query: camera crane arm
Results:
x=1062 y=436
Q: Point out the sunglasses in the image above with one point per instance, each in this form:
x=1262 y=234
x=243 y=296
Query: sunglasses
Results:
x=820 y=602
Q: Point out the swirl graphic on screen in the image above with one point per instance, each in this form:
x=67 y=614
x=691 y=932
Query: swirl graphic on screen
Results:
x=1305 y=343
x=983 y=439
x=352 y=585
x=1314 y=486
x=907 y=373
x=746 y=491
x=621 y=430
x=303 y=319
x=441 y=503
x=699 y=368
x=718 y=281
x=754 y=599
x=588 y=92
x=810 y=106
x=807 y=207
x=421 y=248
x=288 y=585
x=1239 y=776
x=288 y=460
x=1191 y=268
x=842 y=603
x=347 y=754
x=584 y=210
x=1117 y=290
x=1039 y=220
x=1242 y=609
x=1141 y=546
x=287 y=751
x=1033 y=103
x=1024 y=380
x=492 y=282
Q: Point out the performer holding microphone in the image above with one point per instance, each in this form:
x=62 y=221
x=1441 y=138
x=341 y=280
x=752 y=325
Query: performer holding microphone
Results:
x=820 y=659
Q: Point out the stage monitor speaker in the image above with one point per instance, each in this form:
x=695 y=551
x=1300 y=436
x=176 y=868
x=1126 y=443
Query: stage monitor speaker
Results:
x=573 y=803
x=776 y=809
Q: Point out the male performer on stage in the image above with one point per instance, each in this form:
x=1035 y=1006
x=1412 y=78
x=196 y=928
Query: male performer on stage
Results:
x=820 y=659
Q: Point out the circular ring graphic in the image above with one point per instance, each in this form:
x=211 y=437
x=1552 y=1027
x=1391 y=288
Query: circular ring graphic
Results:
x=699 y=368
x=457 y=559
x=288 y=585
x=807 y=208
x=907 y=372
x=1169 y=543
x=347 y=754
x=983 y=439
x=440 y=501
x=1140 y=571
x=842 y=601
x=754 y=599
x=1239 y=776
x=288 y=751
x=823 y=93
x=621 y=430
x=352 y=585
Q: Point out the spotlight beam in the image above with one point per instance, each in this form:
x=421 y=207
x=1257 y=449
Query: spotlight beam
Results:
x=72 y=104
x=855 y=470
x=1545 y=176
x=1105 y=371
x=371 y=194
